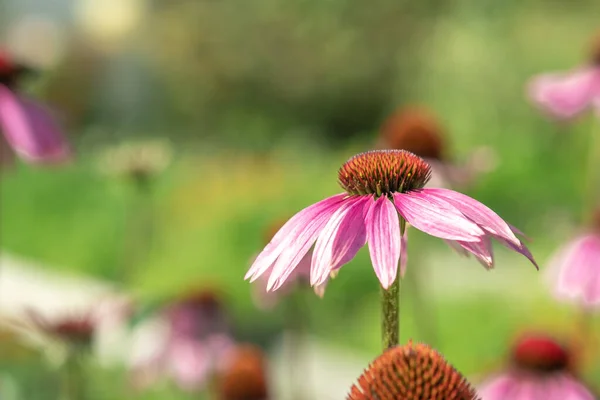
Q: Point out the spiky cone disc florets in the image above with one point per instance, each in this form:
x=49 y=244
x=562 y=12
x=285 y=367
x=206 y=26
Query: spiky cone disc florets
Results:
x=414 y=129
x=540 y=353
x=411 y=372
x=382 y=172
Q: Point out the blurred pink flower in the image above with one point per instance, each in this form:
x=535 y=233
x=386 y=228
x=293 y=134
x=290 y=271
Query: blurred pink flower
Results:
x=539 y=371
x=28 y=126
x=565 y=95
x=574 y=270
x=384 y=191
x=196 y=347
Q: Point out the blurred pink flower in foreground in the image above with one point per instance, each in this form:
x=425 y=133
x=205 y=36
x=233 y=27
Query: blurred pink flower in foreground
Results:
x=416 y=129
x=384 y=191
x=539 y=371
x=300 y=276
x=574 y=271
x=565 y=95
x=196 y=347
x=28 y=126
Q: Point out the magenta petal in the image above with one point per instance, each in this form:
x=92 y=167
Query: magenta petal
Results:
x=340 y=240
x=481 y=250
x=436 y=217
x=566 y=95
x=287 y=234
x=30 y=129
x=300 y=243
x=477 y=212
x=383 y=235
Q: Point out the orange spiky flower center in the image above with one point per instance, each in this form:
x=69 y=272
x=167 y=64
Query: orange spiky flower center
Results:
x=414 y=129
x=245 y=378
x=411 y=372
x=540 y=354
x=382 y=172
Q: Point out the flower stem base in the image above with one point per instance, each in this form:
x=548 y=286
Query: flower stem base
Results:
x=390 y=307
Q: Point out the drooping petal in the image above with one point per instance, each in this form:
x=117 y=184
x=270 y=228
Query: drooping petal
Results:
x=304 y=238
x=481 y=250
x=383 y=235
x=31 y=130
x=498 y=387
x=340 y=240
x=565 y=95
x=190 y=363
x=521 y=249
x=477 y=212
x=287 y=234
x=436 y=217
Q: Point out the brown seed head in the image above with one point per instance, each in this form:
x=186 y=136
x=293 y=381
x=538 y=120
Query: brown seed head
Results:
x=596 y=220
x=540 y=353
x=414 y=129
x=205 y=300
x=411 y=372
x=9 y=70
x=383 y=172
x=245 y=378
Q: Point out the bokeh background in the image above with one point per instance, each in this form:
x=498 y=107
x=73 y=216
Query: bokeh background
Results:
x=250 y=108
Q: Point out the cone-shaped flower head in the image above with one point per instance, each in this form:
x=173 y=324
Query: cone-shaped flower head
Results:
x=28 y=127
x=574 y=270
x=75 y=331
x=539 y=370
x=566 y=95
x=414 y=129
x=411 y=372
x=244 y=377
x=383 y=191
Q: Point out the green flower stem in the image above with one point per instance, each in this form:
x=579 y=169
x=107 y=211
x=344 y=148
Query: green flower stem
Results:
x=390 y=308
x=592 y=180
x=72 y=378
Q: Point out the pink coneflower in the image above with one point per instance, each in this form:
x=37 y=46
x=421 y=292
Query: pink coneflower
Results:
x=299 y=277
x=196 y=346
x=72 y=330
x=574 y=270
x=539 y=370
x=411 y=372
x=416 y=129
x=384 y=191
x=565 y=95
x=29 y=128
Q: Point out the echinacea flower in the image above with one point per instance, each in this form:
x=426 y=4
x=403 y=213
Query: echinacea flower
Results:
x=416 y=129
x=574 y=271
x=28 y=126
x=195 y=345
x=566 y=95
x=539 y=370
x=244 y=377
x=411 y=372
x=384 y=191
x=300 y=276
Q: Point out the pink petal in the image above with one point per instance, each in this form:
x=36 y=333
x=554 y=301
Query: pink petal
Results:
x=498 y=388
x=566 y=95
x=577 y=270
x=340 y=240
x=477 y=212
x=30 y=129
x=383 y=235
x=287 y=234
x=300 y=242
x=190 y=363
x=481 y=250
x=436 y=216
